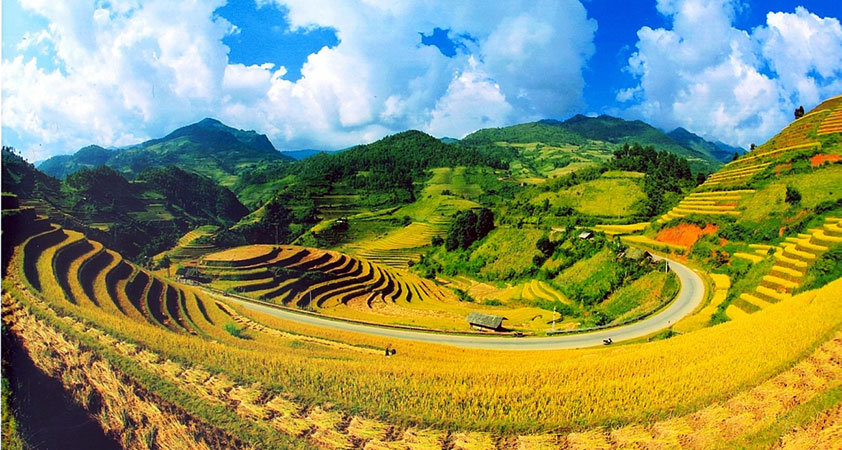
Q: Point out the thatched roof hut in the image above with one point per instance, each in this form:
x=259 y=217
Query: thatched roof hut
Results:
x=485 y=321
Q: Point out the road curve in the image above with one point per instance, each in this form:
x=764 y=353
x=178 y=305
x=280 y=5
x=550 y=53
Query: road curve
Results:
x=690 y=296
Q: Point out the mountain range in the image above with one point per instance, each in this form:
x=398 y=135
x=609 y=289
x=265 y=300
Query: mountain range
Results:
x=222 y=153
x=208 y=147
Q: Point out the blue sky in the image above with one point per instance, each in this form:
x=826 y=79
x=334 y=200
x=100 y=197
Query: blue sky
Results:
x=322 y=74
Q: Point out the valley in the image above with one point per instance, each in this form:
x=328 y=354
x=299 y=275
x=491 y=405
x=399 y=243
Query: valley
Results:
x=417 y=293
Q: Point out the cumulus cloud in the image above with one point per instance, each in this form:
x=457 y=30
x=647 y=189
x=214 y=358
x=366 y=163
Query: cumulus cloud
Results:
x=725 y=83
x=132 y=70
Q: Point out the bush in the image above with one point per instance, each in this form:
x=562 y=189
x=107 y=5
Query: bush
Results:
x=464 y=296
x=827 y=268
x=793 y=197
x=233 y=329
x=468 y=227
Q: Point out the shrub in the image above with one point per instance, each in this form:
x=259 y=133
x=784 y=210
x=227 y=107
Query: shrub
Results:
x=793 y=197
x=827 y=268
x=233 y=329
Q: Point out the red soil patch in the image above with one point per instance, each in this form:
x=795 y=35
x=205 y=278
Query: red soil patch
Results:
x=823 y=158
x=685 y=234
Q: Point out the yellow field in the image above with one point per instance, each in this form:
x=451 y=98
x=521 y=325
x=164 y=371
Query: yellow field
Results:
x=240 y=254
x=701 y=319
x=618 y=230
x=440 y=385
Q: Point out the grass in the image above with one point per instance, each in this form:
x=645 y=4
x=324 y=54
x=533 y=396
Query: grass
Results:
x=641 y=296
x=820 y=185
x=604 y=197
x=506 y=251
x=11 y=433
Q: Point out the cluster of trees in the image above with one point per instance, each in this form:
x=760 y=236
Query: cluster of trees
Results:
x=468 y=227
x=546 y=131
x=392 y=163
x=665 y=172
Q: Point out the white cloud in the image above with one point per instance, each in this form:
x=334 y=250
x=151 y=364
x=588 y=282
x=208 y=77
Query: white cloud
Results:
x=133 y=70
x=729 y=84
x=472 y=101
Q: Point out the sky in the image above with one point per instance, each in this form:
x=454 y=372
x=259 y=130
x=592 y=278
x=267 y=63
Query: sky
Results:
x=330 y=74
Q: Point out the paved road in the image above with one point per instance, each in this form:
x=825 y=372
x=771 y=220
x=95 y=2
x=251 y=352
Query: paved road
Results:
x=690 y=296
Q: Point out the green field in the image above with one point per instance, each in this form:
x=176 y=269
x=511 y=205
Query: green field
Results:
x=506 y=251
x=610 y=196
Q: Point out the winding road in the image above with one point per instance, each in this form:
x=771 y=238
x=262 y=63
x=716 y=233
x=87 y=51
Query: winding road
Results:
x=690 y=296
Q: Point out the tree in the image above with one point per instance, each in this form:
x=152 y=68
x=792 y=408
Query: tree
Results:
x=485 y=222
x=467 y=227
x=274 y=226
x=793 y=197
x=166 y=264
x=545 y=246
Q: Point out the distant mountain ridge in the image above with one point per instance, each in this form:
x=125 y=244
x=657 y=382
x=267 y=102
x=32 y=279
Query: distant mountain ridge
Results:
x=208 y=147
x=306 y=153
x=584 y=131
x=720 y=150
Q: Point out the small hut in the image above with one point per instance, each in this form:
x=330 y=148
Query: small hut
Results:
x=485 y=322
x=587 y=235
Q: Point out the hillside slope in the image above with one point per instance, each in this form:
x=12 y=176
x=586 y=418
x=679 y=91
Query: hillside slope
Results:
x=137 y=217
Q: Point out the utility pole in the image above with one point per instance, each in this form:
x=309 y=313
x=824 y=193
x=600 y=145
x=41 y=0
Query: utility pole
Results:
x=554 y=318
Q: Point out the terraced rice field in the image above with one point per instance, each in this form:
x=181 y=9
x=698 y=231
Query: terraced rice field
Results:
x=187 y=248
x=793 y=258
x=610 y=197
x=619 y=230
x=734 y=177
x=832 y=123
x=276 y=359
x=800 y=135
x=699 y=320
x=340 y=285
x=713 y=203
x=338 y=205
x=445 y=193
x=401 y=247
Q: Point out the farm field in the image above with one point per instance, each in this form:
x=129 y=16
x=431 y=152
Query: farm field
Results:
x=342 y=286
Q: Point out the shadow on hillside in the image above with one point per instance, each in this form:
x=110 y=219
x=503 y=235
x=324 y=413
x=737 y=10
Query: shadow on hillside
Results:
x=48 y=417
